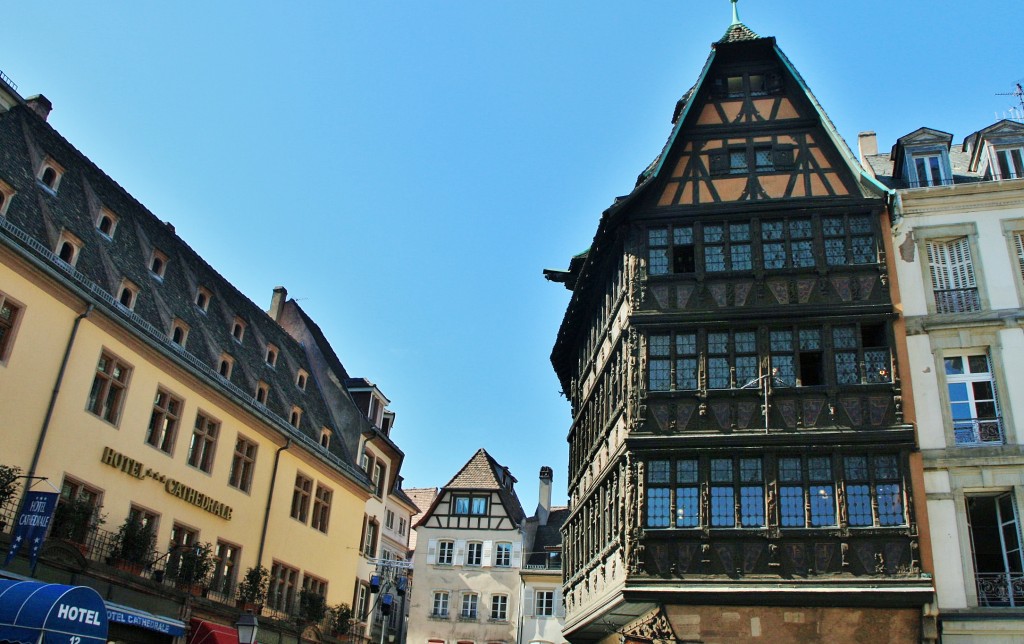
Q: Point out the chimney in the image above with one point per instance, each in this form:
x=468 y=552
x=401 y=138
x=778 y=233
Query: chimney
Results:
x=544 y=495
x=277 y=302
x=867 y=145
x=40 y=105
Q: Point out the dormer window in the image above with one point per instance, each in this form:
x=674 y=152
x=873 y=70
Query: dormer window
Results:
x=225 y=365
x=928 y=169
x=325 y=438
x=300 y=379
x=106 y=223
x=271 y=356
x=68 y=248
x=262 y=392
x=740 y=85
x=179 y=332
x=49 y=176
x=127 y=295
x=295 y=418
x=238 y=329
x=6 y=194
x=158 y=263
x=203 y=297
x=1009 y=163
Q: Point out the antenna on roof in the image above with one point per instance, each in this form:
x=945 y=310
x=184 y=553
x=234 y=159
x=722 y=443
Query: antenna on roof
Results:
x=1016 y=112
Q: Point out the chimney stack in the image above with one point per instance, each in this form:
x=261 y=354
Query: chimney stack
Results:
x=544 y=495
x=277 y=302
x=40 y=105
x=867 y=145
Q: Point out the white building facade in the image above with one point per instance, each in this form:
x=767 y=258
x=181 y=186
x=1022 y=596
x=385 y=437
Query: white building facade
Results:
x=959 y=244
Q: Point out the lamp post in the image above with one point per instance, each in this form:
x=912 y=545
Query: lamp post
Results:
x=247 y=627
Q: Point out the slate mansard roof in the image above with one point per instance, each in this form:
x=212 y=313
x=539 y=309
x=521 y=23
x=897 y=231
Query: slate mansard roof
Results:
x=34 y=223
x=548 y=537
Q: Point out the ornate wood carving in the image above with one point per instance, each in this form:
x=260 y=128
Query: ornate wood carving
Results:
x=653 y=627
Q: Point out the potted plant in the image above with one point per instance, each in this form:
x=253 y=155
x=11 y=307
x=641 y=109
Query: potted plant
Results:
x=341 y=619
x=9 y=475
x=312 y=606
x=75 y=518
x=252 y=590
x=133 y=544
x=192 y=567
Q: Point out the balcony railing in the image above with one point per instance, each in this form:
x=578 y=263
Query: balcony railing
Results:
x=957 y=300
x=978 y=432
x=1000 y=589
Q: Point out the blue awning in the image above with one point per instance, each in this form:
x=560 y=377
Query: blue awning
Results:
x=60 y=614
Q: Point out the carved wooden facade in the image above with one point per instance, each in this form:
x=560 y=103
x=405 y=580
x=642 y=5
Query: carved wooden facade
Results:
x=729 y=355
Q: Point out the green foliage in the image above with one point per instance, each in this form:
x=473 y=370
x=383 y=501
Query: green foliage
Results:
x=75 y=518
x=341 y=618
x=253 y=587
x=135 y=541
x=312 y=606
x=192 y=565
x=9 y=475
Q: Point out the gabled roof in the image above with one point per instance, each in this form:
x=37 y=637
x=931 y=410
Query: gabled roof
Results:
x=1004 y=131
x=548 y=537
x=481 y=472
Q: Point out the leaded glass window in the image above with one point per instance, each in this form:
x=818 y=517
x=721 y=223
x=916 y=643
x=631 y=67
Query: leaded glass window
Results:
x=657 y=251
x=686 y=361
x=751 y=493
x=723 y=503
x=659 y=363
x=781 y=344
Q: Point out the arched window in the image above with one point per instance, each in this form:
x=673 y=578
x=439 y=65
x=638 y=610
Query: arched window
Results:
x=49 y=178
x=67 y=252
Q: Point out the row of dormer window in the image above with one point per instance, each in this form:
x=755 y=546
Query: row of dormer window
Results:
x=69 y=248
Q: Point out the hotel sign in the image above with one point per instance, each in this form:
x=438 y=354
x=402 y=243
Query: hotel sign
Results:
x=135 y=469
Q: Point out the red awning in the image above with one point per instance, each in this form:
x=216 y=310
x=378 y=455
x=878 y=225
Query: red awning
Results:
x=203 y=632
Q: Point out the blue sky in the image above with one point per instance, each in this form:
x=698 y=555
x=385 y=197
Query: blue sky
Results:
x=407 y=169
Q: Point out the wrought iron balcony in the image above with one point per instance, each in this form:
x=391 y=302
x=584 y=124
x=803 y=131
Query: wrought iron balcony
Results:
x=1000 y=589
x=978 y=432
x=957 y=300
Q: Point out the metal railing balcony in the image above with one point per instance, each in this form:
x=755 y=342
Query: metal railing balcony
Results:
x=957 y=300
x=978 y=432
x=1000 y=589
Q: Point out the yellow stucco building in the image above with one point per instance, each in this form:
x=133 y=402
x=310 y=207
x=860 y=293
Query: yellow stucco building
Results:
x=141 y=384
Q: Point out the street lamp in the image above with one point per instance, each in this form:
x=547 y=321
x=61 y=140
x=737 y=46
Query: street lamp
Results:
x=247 y=627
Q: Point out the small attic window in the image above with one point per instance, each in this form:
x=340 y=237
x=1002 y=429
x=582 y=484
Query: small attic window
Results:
x=49 y=176
x=128 y=294
x=225 y=365
x=1010 y=163
x=203 y=297
x=295 y=419
x=262 y=392
x=325 y=437
x=238 y=329
x=179 y=333
x=106 y=223
x=300 y=379
x=928 y=169
x=6 y=194
x=271 y=356
x=158 y=263
x=68 y=248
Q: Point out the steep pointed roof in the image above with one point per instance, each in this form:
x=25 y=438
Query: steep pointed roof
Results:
x=738 y=32
x=482 y=472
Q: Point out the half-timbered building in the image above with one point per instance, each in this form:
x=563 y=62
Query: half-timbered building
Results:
x=468 y=557
x=739 y=462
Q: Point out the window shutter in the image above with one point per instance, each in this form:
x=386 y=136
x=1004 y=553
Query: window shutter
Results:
x=460 y=552
x=938 y=264
x=517 y=554
x=718 y=162
x=559 y=606
x=488 y=547
x=432 y=551
x=782 y=157
x=1018 y=241
x=962 y=269
x=528 y=602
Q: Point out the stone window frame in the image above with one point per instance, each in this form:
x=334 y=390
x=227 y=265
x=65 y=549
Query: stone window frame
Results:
x=924 y=234
x=96 y=400
x=70 y=239
x=243 y=464
x=11 y=328
x=225 y=365
x=49 y=164
x=1011 y=229
x=302 y=495
x=6 y=195
x=202 y=448
x=203 y=298
x=157 y=264
x=106 y=213
x=981 y=339
x=165 y=421
x=128 y=290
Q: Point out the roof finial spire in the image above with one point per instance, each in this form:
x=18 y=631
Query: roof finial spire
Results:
x=735 y=13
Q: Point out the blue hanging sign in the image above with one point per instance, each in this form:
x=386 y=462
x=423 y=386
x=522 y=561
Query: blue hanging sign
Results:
x=32 y=524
